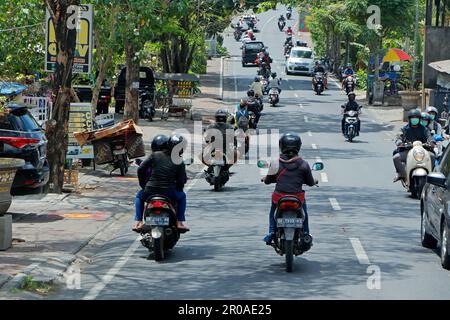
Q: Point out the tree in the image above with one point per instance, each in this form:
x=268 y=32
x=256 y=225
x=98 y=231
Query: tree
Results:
x=57 y=127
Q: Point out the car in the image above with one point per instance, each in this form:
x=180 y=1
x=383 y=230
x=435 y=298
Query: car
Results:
x=21 y=137
x=300 y=61
x=84 y=93
x=146 y=82
x=250 y=52
x=435 y=217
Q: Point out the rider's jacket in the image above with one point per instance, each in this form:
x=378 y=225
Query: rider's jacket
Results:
x=349 y=72
x=290 y=175
x=436 y=126
x=351 y=106
x=410 y=134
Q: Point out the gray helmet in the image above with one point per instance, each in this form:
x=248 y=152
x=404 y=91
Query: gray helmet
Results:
x=432 y=109
x=415 y=114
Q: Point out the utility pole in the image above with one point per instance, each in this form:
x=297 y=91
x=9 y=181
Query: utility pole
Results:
x=416 y=35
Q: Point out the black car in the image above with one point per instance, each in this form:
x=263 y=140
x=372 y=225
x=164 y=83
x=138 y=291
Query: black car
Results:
x=84 y=93
x=435 y=218
x=250 y=51
x=146 y=83
x=21 y=137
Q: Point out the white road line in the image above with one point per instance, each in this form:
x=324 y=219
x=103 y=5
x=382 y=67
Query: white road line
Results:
x=324 y=177
x=296 y=95
x=291 y=87
x=306 y=118
x=310 y=133
x=335 y=204
x=301 y=106
x=314 y=146
x=95 y=291
x=359 y=251
x=195 y=180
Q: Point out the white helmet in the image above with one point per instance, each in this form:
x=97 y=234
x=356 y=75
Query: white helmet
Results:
x=432 y=109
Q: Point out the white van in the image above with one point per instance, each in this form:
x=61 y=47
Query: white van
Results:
x=300 y=61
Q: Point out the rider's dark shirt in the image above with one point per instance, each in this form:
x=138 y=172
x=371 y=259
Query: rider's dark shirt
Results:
x=410 y=134
x=351 y=106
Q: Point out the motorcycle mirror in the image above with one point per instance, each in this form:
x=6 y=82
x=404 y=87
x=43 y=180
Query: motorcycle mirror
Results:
x=138 y=161
x=443 y=122
x=317 y=166
x=263 y=164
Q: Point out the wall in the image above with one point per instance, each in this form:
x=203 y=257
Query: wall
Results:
x=437 y=47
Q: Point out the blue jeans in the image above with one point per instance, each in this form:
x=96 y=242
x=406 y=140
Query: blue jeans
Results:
x=177 y=196
x=272 y=222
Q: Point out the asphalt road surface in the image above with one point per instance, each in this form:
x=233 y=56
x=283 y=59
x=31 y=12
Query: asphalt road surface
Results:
x=366 y=229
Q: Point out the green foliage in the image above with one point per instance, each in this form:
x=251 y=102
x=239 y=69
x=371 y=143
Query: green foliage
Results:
x=361 y=75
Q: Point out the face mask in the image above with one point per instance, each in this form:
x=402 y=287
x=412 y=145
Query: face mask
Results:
x=424 y=123
x=432 y=116
x=414 y=121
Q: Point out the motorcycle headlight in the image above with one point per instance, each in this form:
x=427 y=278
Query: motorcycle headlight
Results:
x=418 y=155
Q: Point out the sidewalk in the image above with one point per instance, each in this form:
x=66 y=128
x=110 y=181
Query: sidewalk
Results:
x=51 y=232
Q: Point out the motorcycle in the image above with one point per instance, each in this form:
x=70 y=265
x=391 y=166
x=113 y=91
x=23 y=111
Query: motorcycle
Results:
x=252 y=120
x=351 y=125
x=287 y=49
x=318 y=83
x=265 y=83
x=350 y=84
x=237 y=34
x=290 y=238
x=274 y=97
x=120 y=155
x=281 y=24
x=264 y=69
x=418 y=166
x=260 y=101
x=146 y=105
x=289 y=15
x=160 y=233
x=217 y=173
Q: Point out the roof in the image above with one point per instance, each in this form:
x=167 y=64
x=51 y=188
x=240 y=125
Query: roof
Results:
x=177 y=77
x=441 y=66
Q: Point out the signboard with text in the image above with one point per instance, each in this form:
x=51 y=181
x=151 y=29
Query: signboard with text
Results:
x=83 y=50
x=80 y=119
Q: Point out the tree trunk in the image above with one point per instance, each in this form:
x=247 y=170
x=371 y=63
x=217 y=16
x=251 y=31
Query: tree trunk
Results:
x=57 y=127
x=347 y=50
x=132 y=84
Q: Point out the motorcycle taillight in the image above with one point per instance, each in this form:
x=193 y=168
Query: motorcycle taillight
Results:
x=158 y=204
x=289 y=205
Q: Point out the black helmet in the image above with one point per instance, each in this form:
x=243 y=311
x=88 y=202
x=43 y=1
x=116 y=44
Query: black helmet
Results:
x=160 y=143
x=274 y=75
x=175 y=140
x=415 y=114
x=221 y=115
x=256 y=79
x=251 y=93
x=290 y=144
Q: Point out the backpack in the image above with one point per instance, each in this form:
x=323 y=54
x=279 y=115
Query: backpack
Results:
x=243 y=122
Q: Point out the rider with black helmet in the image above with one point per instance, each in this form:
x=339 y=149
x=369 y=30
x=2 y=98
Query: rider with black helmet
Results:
x=351 y=105
x=160 y=174
x=289 y=174
x=253 y=105
x=410 y=133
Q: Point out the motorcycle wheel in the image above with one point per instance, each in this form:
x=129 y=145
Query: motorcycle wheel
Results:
x=216 y=186
x=289 y=253
x=158 y=248
x=417 y=186
x=350 y=135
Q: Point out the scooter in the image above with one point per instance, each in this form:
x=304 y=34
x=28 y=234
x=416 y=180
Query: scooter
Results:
x=351 y=125
x=120 y=155
x=281 y=24
x=146 y=106
x=350 y=84
x=217 y=173
x=274 y=97
x=290 y=238
x=318 y=83
x=418 y=166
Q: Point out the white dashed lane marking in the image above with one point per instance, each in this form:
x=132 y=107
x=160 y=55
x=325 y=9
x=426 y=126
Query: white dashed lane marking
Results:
x=359 y=251
x=335 y=204
x=314 y=146
x=324 y=177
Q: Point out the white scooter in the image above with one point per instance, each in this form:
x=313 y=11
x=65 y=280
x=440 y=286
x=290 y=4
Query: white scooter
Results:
x=418 y=165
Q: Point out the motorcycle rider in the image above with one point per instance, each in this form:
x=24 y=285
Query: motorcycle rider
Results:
x=351 y=105
x=159 y=175
x=318 y=68
x=281 y=18
x=291 y=173
x=275 y=82
x=349 y=70
x=410 y=133
x=434 y=124
x=257 y=86
x=241 y=116
x=253 y=105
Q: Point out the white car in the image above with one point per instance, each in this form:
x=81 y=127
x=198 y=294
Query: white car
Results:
x=300 y=61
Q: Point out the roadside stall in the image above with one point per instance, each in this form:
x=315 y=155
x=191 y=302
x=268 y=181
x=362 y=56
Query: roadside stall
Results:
x=183 y=87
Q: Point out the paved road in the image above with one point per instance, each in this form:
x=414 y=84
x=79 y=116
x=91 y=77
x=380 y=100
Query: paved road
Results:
x=359 y=219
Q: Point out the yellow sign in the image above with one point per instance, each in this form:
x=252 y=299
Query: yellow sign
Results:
x=84 y=44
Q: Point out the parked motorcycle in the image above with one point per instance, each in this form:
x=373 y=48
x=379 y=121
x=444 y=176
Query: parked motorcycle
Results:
x=274 y=97
x=120 y=155
x=146 y=106
x=418 y=166
x=351 y=125
x=318 y=83
x=290 y=238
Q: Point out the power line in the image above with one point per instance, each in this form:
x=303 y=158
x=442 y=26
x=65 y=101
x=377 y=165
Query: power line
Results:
x=22 y=27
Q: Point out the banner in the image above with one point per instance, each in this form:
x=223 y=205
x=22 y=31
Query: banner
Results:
x=83 y=50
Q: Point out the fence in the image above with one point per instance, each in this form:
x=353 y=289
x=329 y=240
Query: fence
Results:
x=40 y=108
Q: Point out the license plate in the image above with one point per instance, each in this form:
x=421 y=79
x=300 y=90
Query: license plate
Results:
x=157 y=221
x=119 y=152
x=289 y=223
